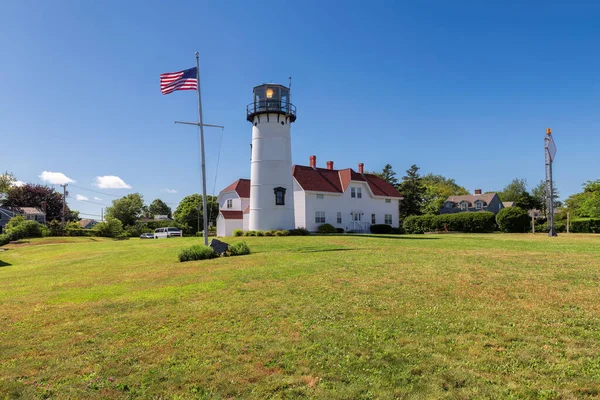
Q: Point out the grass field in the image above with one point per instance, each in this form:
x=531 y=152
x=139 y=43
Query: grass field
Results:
x=430 y=316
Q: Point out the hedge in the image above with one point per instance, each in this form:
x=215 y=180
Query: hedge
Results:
x=197 y=252
x=513 y=220
x=467 y=222
x=381 y=228
x=326 y=228
x=239 y=249
x=585 y=225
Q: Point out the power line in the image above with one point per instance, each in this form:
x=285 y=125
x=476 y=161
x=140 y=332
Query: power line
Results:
x=88 y=201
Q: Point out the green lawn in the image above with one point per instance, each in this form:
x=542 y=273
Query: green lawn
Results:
x=430 y=316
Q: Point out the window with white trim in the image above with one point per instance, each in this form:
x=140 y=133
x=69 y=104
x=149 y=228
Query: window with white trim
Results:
x=353 y=192
x=373 y=219
x=388 y=219
x=279 y=196
x=464 y=205
x=339 y=217
x=319 y=217
x=229 y=203
x=478 y=205
x=388 y=200
x=359 y=193
x=320 y=196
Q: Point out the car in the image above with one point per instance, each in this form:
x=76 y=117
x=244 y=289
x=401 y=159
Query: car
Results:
x=147 y=236
x=160 y=233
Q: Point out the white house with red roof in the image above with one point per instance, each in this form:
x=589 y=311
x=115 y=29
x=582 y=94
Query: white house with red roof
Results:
x=233 y=200
x=344 y=198
x=280 y=195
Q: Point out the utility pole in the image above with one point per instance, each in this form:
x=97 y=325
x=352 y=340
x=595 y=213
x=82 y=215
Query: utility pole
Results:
x=102 y=214
x=550 y=153
x=64 y=210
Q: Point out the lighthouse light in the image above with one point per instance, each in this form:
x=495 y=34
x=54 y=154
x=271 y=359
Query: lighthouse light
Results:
x=269 y=93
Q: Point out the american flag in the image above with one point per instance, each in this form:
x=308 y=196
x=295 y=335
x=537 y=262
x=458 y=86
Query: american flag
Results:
x=182 y=80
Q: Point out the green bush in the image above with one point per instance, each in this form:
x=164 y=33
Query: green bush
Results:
x=282 y=233
x=196 y=252
x=250 y=233
x=112 y=228
x=326 y=228
x=467 y=222
x=381 y=228
x=585 y=225
x=299 y=232
x=54 y=228
x=513 y=220
x=340 y=230
x=260 y=233
x=238 y=232
x=4 y=239
x=20 y=228
x=74 y=229
x=239 y=249
x=397 y=231
x=270 y=233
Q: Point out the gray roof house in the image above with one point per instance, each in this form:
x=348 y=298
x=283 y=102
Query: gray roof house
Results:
x=31 y=213
x=475 y=202
x=87 y=223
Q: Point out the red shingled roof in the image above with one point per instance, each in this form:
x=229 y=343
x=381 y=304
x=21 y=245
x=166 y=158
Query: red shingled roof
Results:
x=241 y=187
x=337 y=181
x=232 y=214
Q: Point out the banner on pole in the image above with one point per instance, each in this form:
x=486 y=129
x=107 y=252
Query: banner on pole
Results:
x=551 y=149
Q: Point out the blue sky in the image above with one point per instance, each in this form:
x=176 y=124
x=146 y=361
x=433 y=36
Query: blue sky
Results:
x=462 y=89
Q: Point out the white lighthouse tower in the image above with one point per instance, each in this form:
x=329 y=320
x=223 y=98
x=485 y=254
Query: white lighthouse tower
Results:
x=271 y=181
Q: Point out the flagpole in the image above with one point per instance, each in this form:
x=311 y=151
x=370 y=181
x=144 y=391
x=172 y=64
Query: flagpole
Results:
x=200 y=124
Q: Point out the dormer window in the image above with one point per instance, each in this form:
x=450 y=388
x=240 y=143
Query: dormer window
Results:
x=449 y=204
x=229 y=203
x=464 y=205
x=479 y=205
x=279 y=196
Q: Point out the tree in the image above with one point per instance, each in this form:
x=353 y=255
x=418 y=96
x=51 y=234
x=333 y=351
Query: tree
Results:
x=586 y=203
x=437 y=190
x=189 y=212
x=7 y=180
x=514 y=190
x=127 y=209
x=413 y=191
x=159 y=207
x=388 y=175
x=31 y=195
x=539 y=194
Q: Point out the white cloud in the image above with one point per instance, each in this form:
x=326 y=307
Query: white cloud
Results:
x=55 y=178
x=111 y=182
x=97 y=198
x=81 y=197
x=18 y=183
x=170 y=190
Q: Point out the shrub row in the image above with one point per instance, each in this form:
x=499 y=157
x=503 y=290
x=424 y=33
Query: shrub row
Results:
x=585 y=225
x=468 y=222
x=196 y=252
x=292 y=232
x=381 y=228
x=201 y=252
x=513 y=220
x=326 y=228
x=19 y=228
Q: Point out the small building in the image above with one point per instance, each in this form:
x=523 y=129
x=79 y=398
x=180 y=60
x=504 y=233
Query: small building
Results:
x=346 y=199
x=29 y=213
x=87 y=223
x=234 y=203
x=475 y=202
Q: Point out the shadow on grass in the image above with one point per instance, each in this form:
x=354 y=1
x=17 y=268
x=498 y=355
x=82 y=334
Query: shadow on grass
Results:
x=323 y=250
x=395 y=237
x=4 y=264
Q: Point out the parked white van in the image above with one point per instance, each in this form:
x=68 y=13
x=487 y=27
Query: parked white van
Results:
x=161 y=233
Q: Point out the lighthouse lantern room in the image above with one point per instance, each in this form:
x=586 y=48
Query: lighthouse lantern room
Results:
x=271 y=181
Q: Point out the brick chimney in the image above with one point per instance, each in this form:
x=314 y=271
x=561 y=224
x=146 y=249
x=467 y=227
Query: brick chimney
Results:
x=477 y=191
x=313 y=161
x=329 y=164
x=361 y=168
x=44 y=205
